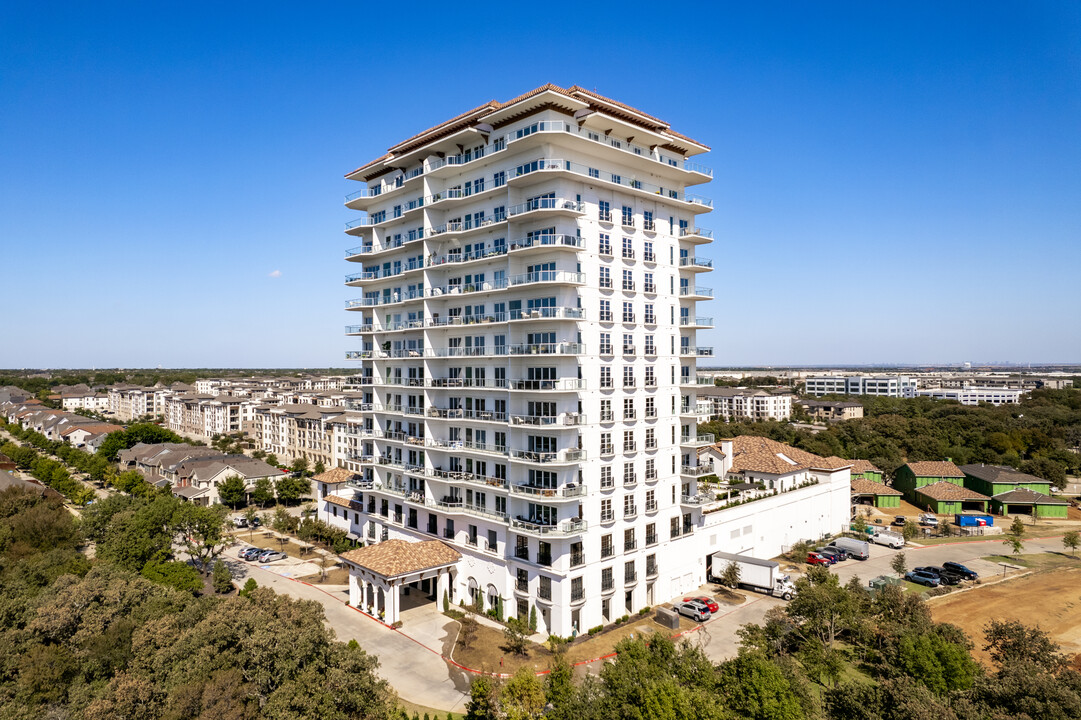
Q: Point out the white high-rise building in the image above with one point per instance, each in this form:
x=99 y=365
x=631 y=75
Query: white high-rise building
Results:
x=526 y=333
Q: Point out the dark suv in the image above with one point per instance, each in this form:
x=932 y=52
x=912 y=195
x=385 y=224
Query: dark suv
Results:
x=959 y=569
x=945 y=577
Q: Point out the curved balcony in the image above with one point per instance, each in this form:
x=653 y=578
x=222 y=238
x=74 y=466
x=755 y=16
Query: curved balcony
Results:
x=695 y=264
x=561 y=456
x=700 y=440
x=562 y=528
x=696 y=322
x=548 y=313
x=558 y=348
x=392 y=299
x=695 y=235
x=560 y=277
x=565 y=420
x=696 y=292
x=546 y=206
x=567 y=492
x=547 y=242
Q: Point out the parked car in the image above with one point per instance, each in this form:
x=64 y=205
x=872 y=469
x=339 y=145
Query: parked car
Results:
x=944 y=577
x=249 y=553
x=709 y=602
x=271 y=556
x=959 y=569
x=921 y=578
x=837 y=553
x=693 y=610
x=814 y=558
x=240 y=522
x=859 y=549
x=899 y=521
x=928 y=520
x=889 y=539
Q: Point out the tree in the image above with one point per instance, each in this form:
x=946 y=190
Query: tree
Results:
x=223 y=578
x=859 y=526
x=263 y=492
x=272 y=459
x=1015 y=536
x=249 y=587
x=232 y=490
x=1010 y=642
x=910 y=529
x=202 y=532
x=468 y=632
x=320 y=468
x=532 y=619
x=897 y=564
x=522 y=698
x=483 y=703
x=1071 y=540
x=300 y=465
x=290 y=488
x=133 y=435
x=177 y=575
x=516 y=634
x=250 y=515
x=730 y=576
x=559 y=688
x=822 y=605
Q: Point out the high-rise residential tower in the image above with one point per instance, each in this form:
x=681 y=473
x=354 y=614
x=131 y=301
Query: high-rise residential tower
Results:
x=526 y=332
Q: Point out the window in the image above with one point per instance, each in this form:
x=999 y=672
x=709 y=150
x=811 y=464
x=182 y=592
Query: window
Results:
x=629 y=573
x=647 y=253
x=674 y=527
x=651 y=408
x=544 y=587
x=578 y=554
x=521 y=548
x=651 y=440
x=628 y=474
x=628 y=376
x=607 y=583
x=628 y=441
x=647 y=220
x=648 y=285
x=650 y=348
x=606 y=477
x=606 y=343
x=606 y=411
x=577 y=591
x=650 y=319
x=606 y=377
x=628 y=216
x=594 y=173
x=651 y=565
x=651 y=469
x=493 y=539
x=628 y=408
x=606 y=511
x=606 y=311
x=651 y=380
x=628 y=312
x=628 y=344
x=629 y=508
x=651 y=500
x=606 y=443
x=628 y=279
x=605 y=245
x=521 y=582
x=628 y=248
x=651 y=534
x=604 y=211
x=608 y=548
x=629 y=541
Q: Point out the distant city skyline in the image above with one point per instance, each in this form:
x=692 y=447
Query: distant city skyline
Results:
x=893 y=186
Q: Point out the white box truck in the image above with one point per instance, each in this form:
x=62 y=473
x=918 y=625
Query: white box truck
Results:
x=760 y=575
x=859 y=549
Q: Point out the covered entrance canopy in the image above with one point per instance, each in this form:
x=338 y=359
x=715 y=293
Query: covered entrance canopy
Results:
x=378 y=572
x=1026 y=502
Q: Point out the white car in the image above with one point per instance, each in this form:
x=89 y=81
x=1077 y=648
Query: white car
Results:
x=929 y=520
x=892 y=540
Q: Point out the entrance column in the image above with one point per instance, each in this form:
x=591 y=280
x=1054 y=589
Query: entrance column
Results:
x=394 y=604
x=442 y=587
x=354 y=590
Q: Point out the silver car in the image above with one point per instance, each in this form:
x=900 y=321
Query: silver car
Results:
x=694 y=610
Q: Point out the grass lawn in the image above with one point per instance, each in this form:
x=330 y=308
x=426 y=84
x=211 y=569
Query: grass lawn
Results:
x=335 y=576
x=1035 y=561
x=267 y=540
x=423 y=710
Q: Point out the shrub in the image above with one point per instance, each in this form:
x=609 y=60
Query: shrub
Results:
x=595 y=630
x=644 y=611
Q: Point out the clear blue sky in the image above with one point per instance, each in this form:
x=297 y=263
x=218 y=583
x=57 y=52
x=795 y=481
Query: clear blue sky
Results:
x=893 y=184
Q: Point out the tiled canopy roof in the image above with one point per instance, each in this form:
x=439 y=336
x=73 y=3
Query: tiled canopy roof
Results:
x=334 y=476
x=1027 y=497
x=935 y=468
x=999 y=474
x=393 y=558
x=761 y=454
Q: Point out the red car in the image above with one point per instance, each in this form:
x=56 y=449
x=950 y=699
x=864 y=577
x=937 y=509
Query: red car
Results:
x=816 y=559
x=707 y=601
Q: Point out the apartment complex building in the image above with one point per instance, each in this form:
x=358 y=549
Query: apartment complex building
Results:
x=746 y=403
x=882 y=385
x=526 y=331
x=976 y=395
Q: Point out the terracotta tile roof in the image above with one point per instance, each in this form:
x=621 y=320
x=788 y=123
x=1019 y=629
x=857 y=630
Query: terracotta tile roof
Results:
x=335 y=476
x=945 y=490
x=999 y=474
x=393 y=558
x=575 y=92
x=761 y=454
x=870 y=487
x=935 y=468
x=1024 y=495
x=862 y=466
x=832 y=463
x=347 y=503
